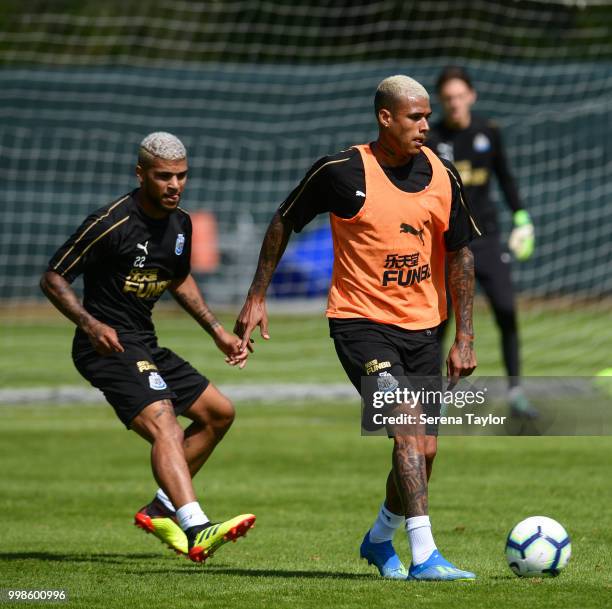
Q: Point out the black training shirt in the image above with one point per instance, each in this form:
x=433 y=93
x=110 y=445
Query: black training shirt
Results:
x=336 y=184
x=477 y=152
x=127 y=260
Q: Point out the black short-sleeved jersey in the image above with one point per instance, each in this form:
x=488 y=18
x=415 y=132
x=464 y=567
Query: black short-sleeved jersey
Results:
x=127 y=259
x=477 y=152
x=336 y=184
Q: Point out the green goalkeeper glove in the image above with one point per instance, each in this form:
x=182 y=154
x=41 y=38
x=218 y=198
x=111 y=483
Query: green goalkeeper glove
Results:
x=522 y=240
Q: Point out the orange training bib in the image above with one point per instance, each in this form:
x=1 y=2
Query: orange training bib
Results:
x=389 y=258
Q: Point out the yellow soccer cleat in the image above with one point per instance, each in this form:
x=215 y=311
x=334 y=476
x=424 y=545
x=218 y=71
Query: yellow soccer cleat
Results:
x=157 y=519
x=207 y=541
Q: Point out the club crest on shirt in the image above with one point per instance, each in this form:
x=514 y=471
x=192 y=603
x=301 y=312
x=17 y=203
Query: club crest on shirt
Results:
x=156 y=381
x=180 y=244
x=481 y=143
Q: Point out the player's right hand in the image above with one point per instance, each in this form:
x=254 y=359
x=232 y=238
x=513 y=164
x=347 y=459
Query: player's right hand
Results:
x=253 y=314
x=229 y=344
x=103 y=338
x=461 y=360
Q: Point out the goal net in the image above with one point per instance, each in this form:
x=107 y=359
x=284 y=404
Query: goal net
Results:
x=260 y=90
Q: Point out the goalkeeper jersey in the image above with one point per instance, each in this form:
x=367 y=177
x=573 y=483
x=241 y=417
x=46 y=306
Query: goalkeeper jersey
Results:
x=477 y=152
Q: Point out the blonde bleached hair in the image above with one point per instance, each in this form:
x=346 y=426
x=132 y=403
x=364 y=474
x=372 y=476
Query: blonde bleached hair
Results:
x=394 y=88
x=160 y=145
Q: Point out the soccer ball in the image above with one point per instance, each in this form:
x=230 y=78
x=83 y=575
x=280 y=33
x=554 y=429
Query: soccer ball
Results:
x=538 y=547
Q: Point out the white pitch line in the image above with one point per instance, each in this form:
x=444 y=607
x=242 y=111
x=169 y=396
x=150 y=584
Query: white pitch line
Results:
x=567 y=387
x=67 y=394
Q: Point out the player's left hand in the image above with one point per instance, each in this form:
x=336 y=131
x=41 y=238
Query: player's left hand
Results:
x=229 y=344
x=522 y=239
x=461 y=360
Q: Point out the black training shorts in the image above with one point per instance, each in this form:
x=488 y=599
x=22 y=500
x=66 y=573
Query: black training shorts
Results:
x=368 y=348
x=143 y=374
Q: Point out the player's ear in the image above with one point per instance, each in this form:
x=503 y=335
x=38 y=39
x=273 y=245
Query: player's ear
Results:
x=140 y=174
x=384 y=117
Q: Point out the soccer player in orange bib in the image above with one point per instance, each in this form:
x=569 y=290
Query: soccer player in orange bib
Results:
x=397 y=214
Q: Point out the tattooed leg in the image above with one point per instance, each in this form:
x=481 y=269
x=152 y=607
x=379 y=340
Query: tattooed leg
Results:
x=393 y=499
x=410 y=474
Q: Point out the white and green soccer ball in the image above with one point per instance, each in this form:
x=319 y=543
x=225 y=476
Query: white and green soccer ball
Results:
x=538 y=547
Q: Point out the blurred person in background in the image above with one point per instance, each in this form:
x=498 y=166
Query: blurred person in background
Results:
x=474 y=145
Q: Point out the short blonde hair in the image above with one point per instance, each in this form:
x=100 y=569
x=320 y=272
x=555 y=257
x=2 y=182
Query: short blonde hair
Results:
x=161 y=145
x=394 y=88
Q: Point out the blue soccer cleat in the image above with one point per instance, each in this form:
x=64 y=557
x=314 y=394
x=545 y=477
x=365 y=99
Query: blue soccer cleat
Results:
x=437 y=568
x=383 y=556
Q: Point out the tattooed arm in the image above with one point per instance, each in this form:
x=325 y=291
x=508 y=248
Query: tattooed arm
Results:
x=103 y=338
x=461 y=359
x=187 y=293
x=254 y=310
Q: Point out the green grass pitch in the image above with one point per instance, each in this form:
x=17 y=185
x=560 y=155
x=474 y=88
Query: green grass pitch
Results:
x=555 y=342
x=71 y=478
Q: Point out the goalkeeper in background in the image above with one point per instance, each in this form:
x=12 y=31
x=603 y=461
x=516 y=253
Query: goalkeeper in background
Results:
x=473 y=144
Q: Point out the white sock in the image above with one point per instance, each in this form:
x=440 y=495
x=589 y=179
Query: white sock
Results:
x=190 y=515
x=515 y=392
x=385 y=525
x=421 y=540
x=164 y=499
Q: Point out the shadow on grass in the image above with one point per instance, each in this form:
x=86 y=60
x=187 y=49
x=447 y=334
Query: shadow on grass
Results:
x=187 y=568
x=272 y=573
x=63 y=557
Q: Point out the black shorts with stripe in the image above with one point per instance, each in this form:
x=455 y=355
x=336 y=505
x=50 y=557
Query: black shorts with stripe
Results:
x=144 y=373
x=368 y=348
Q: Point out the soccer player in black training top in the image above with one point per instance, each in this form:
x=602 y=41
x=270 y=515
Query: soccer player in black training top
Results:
x=129 y=253
x=474 y=145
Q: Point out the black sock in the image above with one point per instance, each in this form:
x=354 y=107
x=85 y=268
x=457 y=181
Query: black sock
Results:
x=191 y=532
